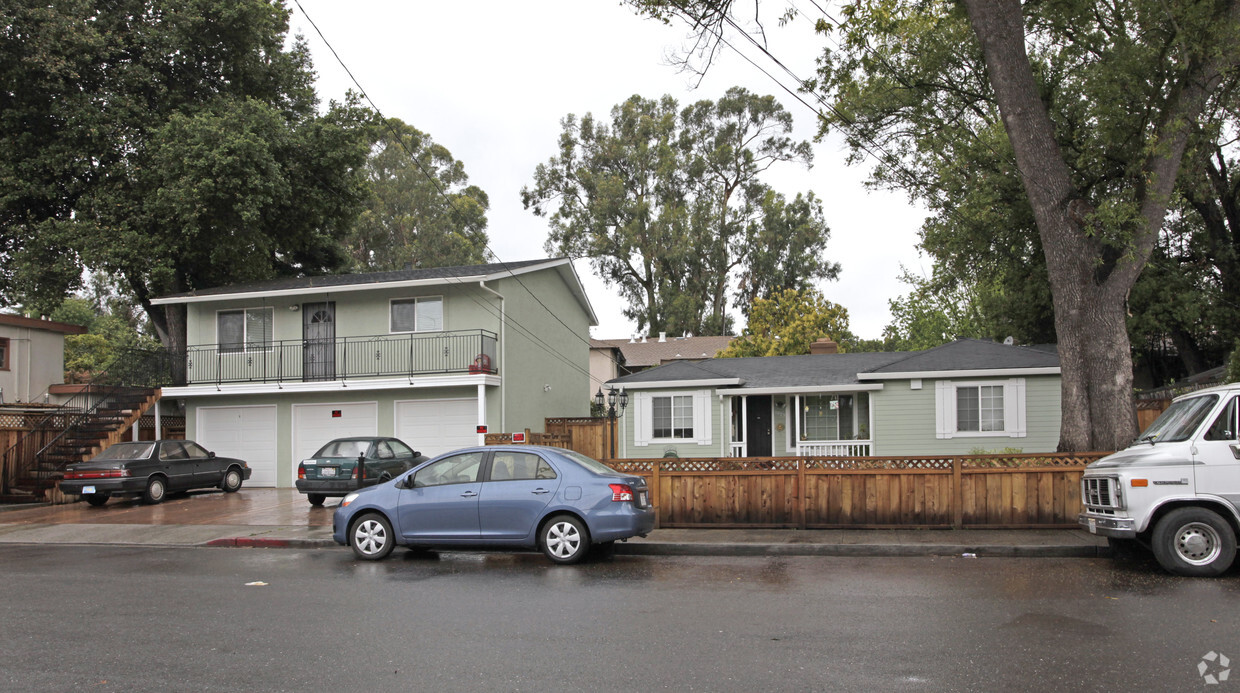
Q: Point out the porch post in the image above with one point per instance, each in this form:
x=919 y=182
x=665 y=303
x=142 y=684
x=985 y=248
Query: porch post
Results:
x=482 y=412
x=135 y=429
x=745 y=425
x=159 y=431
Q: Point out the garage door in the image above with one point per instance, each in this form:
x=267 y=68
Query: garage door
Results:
x=247 y=433
x=437 y=426
x=315 y=424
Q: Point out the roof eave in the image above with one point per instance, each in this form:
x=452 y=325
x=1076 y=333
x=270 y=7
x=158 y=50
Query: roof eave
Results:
x=974 y=373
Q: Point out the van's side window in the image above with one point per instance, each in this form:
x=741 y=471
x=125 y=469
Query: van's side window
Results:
x=1224 y=427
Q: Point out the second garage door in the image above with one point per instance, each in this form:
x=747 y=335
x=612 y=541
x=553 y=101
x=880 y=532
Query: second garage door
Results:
x=434 y=427
x=315 y=424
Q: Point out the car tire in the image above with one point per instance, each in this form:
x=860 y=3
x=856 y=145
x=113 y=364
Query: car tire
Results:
x=155 y=491
x=564 y=539
x=1194 y=542
x=316 y=499
x=371 y=537
x=96 y=499
x=231 y=482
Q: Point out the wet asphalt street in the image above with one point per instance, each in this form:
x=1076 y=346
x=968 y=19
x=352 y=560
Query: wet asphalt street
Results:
x=158 y=619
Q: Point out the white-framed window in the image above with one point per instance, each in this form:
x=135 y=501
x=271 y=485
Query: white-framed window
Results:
x=834 y=417
x=671 y=417
x=246 y=329
x=423 y=314
x=980 y=408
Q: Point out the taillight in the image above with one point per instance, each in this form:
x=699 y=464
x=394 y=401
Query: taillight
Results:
x=354 y=473
x=621 y=492
x=100 y=474
x=301 y=470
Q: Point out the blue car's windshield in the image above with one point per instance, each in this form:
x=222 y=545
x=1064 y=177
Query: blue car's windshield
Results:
x=1179 y=421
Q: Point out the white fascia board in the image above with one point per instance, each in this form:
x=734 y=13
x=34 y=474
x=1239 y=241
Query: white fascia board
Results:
x=666 y=384
x=858 y=387
x=981 y=373
x=345 y=288
x=226 y=389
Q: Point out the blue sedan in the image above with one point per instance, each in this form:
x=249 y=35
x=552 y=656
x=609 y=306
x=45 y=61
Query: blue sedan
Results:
x=522 y=497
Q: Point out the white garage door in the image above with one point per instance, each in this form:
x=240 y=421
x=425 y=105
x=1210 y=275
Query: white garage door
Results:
x=433 y=427
x=315 y=424
x=247 y=433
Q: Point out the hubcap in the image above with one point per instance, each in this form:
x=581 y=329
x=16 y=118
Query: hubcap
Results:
x=157 y=489
x=370 y=537
x=563 y=539
x=1198 y=543
x=233 y=479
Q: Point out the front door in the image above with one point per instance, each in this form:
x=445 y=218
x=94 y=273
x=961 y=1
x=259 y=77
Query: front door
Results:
x=318 y=329
x=758 y=425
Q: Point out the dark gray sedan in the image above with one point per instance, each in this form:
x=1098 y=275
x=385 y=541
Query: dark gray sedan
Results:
x=151 y=469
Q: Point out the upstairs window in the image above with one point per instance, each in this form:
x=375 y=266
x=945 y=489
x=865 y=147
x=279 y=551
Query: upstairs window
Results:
x=417 y=314
x=244 y=330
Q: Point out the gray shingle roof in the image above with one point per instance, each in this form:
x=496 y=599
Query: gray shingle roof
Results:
x=336 y=280
x=813 y=370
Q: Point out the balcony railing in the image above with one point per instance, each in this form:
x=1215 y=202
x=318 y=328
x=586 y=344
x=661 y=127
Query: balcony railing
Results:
x=343 y=358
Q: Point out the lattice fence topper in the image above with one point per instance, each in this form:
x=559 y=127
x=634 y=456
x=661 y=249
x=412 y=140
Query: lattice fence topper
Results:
x=866 y=463
x=632 y=466
x=728 y=464
x=1029 y=461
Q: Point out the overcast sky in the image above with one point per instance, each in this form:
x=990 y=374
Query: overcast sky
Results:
x=492 y=79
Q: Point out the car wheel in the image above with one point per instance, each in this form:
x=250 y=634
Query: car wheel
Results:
x=371 y=537
x=316 y=499
x=232 y=480
x=96 y=499
x=1194 y=542
x=156 y=489
x=564 y=539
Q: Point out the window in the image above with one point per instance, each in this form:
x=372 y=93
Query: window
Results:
x=979 y=408
x=681 y=417
x=835 y=417
x=1224 y=427
x=673 y=416
x=400 y=448
x=4 y=354
x=244 y=330
x=519 y=466
x=417 y=314
x=458 y=469
x=986 y=408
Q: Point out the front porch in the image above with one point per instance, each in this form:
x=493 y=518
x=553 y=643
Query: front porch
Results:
x=834 y=424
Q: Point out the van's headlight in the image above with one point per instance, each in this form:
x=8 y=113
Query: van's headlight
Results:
x=348 y=499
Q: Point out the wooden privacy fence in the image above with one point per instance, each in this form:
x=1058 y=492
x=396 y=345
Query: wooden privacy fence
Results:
x=948 y=491
x=587 y=435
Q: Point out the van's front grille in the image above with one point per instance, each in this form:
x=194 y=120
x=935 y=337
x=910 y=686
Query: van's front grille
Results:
x=1100 y=492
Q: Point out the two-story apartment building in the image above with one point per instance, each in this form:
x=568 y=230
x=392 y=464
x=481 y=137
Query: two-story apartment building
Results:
x=274 y=370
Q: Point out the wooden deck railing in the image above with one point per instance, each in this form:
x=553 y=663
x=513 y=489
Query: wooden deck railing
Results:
x=939 y=491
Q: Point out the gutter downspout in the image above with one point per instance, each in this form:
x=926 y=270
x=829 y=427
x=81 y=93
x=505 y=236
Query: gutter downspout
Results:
x=503 y=353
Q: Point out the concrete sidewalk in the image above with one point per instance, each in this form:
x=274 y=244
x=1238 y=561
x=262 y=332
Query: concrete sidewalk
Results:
x=271 y=518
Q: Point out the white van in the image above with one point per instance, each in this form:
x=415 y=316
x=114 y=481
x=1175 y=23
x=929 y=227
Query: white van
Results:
x=1176 y=489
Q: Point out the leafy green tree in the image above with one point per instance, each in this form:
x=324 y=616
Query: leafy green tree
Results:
x=669 y=206
x=1089 y=112
x=422 y=211
x=930 y=316
x=1233 y=364
x=787 y=323
x=172 y=145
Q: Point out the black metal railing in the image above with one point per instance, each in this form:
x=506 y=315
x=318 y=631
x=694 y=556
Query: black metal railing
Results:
x=342 y=358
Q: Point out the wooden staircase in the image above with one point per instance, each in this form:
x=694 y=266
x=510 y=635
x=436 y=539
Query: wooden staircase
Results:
x=37 y=463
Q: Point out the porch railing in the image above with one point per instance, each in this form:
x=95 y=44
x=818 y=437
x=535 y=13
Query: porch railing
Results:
x=343 y=358
x=834 y=448
x=738 y=448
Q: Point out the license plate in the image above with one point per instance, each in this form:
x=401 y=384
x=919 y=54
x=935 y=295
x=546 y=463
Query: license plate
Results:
x=1093 y=525
x=641 y=499
x=88 y=489
x=327 y=471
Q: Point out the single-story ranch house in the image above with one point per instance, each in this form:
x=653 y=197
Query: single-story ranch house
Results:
x=960 y=397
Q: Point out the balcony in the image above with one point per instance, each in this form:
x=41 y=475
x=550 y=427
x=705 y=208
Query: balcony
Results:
x=343 y=358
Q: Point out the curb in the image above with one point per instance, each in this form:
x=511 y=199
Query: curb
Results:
x=719 y=549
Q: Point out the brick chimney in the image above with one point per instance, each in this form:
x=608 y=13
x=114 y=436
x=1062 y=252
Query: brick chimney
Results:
x=826 y=345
